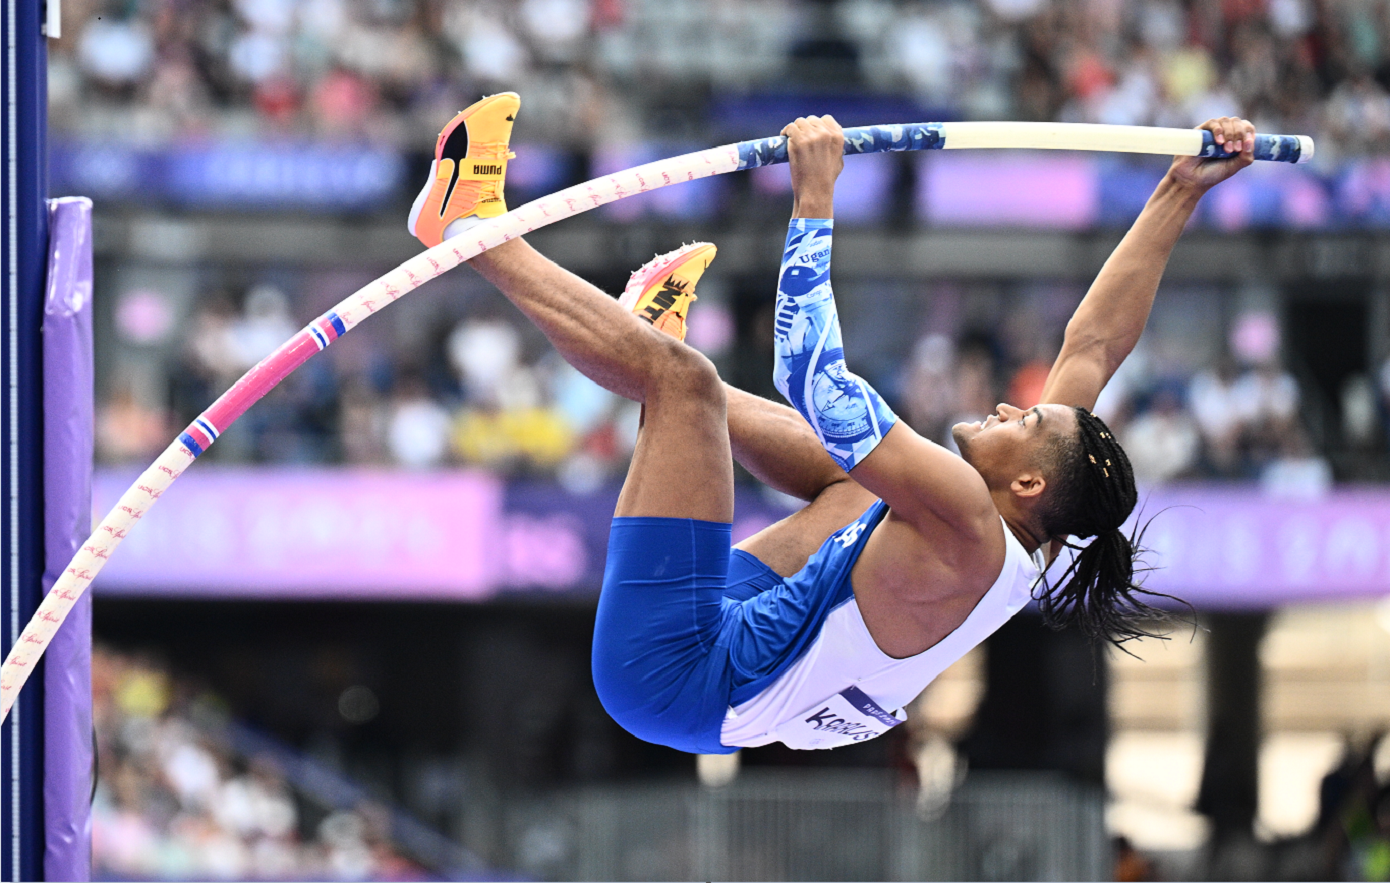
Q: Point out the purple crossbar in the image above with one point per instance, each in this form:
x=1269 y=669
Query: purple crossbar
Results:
x=67 y=479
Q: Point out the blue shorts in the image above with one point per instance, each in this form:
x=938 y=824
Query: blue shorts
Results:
x=688 y=626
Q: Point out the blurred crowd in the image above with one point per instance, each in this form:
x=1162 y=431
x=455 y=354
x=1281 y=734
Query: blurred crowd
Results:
x=1235 y=419
x=1349 y=839
x=482 y=388
x=476 y=391
x=604 y=71
x=173 y=802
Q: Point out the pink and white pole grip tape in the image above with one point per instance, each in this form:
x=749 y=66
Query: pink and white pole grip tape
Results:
x=204 y=430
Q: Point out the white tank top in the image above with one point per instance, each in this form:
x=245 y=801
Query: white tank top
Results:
x=844 y=689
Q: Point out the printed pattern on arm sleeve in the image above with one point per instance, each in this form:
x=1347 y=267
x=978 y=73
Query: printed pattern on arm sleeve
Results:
x=809 y=368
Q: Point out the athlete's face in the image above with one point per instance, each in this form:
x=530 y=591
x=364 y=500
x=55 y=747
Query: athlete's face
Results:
x=1011 y=440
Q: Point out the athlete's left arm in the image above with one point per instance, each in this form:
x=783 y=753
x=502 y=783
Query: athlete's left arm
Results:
x=1107 y=324
x=921 y=481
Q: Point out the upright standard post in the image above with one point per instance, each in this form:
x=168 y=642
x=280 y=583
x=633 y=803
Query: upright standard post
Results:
x=68 y=427
x=23 y=260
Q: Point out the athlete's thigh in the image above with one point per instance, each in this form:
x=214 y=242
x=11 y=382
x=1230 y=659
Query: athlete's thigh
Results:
x=682 y=466
x=786 y=545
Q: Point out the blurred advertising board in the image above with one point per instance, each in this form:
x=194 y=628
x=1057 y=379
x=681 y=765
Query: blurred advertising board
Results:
x=469 y=536
x=1080 y=191
x=253 y=175
x=233 y=175
x=1235 y=547
x=356 y=534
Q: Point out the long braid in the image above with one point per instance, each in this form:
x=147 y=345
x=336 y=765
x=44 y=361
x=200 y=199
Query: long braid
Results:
x=1092 y=496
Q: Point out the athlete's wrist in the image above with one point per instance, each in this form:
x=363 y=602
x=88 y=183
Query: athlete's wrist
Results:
x=1184 y=190
x=814 y=202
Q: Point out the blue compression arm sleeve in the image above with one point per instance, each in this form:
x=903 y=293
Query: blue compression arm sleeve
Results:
x=846 y=413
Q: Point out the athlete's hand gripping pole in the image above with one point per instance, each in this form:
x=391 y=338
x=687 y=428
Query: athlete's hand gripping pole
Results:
x=202 y=432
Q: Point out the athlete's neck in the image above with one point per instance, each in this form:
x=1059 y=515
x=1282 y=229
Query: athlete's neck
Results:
x=1030 y=542
x=1019 y=522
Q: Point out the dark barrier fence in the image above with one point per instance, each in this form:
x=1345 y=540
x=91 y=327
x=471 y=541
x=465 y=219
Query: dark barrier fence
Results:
x=803 y=825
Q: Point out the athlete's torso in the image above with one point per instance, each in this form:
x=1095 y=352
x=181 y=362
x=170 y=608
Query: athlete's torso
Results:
x=842 y=687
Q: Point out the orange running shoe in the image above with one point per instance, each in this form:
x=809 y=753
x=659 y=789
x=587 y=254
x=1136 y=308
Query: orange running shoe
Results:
x=664 y=288
x=470 y=164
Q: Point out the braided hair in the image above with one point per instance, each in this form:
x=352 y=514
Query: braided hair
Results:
x=1091 y=496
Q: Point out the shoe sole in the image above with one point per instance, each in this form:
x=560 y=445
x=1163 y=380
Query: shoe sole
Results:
x=654 y=270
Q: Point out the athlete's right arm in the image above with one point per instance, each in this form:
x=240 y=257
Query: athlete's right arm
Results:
x=1111 y=317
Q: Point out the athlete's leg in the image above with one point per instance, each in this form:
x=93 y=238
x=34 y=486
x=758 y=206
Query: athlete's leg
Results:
x=778 y=446
x=662 y=604
x=772 y=441
x=682 y=466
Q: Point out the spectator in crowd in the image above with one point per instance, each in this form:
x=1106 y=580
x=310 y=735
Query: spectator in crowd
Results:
x=1296 y=470
x=129 y=430
x=1217 y=410
x=418 y=426
x=1268 y=397
x=1354 y=817
x=977 y=385
x=173 y=803
x=1163 y=441
x=929 y=388
x=485 y=354
x=264 y=323
x=363 y=424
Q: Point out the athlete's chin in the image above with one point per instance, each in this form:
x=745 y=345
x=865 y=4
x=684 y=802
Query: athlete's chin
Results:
x=963 y=434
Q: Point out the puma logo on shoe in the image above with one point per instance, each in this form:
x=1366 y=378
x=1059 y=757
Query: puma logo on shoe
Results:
x=470 y=161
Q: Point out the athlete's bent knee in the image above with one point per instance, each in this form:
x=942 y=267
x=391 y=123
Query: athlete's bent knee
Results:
x=689 y=374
